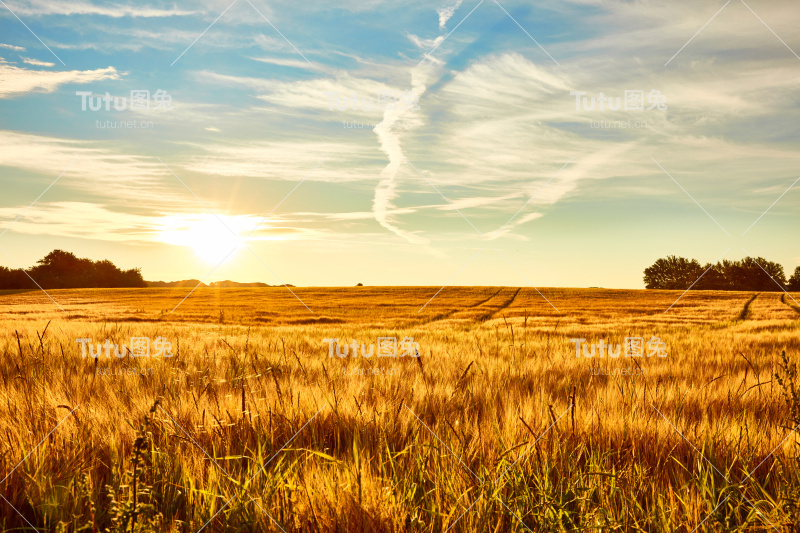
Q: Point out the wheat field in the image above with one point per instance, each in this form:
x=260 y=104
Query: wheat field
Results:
x=252 y=424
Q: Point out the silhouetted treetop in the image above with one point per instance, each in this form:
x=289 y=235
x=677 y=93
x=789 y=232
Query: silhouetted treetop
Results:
x=794 y=281
x=748 y=274
x=63 y=270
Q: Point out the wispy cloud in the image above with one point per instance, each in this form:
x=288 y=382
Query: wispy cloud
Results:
x=102 y=222
x=446 y=12
x=37 y=63
x=346 y=160
x=81 y=220
x=12 y=47
x=342 y=92
x=16 y=81
x=56 y=7
x=294 y=63
x=425 y=44
x=102 y=168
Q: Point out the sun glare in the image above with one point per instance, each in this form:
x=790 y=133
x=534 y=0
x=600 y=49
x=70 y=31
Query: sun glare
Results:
x=209 y=239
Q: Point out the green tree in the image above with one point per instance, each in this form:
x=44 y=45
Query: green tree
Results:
x=672 y=273
x=757 y=274
x=794 y=281
x=749 y=274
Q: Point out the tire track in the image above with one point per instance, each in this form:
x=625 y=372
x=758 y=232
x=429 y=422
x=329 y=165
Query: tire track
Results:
x=502 y=307
x=746 y=312
x=791 y=305
x=448 y=314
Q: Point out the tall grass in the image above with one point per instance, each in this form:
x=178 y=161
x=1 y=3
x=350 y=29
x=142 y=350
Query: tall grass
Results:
x=496 y=425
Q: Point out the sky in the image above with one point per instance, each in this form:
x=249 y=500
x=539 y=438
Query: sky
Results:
x=454 y=142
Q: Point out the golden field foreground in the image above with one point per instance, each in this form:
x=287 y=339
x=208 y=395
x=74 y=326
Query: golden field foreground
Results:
x=496 y=426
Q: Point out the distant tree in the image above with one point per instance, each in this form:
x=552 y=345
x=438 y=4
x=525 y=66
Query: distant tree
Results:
x=105 y=273
x=5 y=278
x=359 y=284
x=794 y=281
x=63 y=270
x=749 y=274
x=14 y=279
x=763 y=275
x=713 y=279
x=672 y=273
x=133 y=278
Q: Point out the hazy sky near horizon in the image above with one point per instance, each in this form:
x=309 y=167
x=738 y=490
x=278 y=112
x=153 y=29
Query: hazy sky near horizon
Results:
x=412 y=143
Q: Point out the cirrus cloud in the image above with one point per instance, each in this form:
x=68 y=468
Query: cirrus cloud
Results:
x=16 y=81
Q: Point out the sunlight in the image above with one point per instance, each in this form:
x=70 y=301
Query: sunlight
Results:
x=209 y=239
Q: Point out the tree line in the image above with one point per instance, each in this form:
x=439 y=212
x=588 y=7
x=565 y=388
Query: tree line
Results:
x=748 y=274
x=63 y=270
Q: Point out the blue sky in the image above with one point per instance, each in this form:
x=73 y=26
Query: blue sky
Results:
x=280 y=144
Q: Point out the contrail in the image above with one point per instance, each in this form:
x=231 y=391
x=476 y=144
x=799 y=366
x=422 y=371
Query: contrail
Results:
x=386 y=191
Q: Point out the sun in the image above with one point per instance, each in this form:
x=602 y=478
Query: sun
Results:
x=212 y=239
